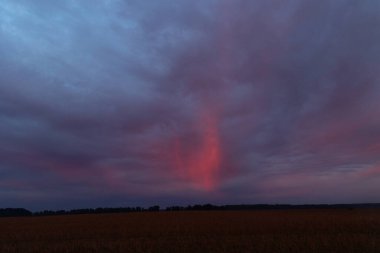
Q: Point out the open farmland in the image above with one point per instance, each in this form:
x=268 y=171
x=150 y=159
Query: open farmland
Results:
x=198 y=231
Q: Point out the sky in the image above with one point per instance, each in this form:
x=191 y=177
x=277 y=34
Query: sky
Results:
x=142 y=102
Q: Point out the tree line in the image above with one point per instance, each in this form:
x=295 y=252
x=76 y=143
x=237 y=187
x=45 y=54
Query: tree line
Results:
x=22 y=212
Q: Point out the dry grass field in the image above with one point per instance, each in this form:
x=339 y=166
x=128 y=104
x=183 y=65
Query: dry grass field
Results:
x=305 y=231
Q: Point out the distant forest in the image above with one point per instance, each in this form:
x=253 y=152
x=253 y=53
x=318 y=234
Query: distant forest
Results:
x=21 y=212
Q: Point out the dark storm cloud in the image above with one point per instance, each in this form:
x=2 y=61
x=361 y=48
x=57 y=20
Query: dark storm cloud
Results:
x=246 y=101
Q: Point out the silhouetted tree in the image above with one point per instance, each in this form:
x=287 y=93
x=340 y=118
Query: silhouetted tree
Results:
x=154 y=208
x=14 y=212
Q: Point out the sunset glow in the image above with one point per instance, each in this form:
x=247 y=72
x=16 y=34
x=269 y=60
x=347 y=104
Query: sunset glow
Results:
x=200 y=164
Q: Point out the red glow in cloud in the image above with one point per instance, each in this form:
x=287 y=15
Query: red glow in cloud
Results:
x=371 y=172
x=200 y=165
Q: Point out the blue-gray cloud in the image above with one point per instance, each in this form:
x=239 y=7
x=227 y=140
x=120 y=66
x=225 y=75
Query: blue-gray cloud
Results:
x=247 y=101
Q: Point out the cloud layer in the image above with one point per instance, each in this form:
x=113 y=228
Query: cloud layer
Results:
x=140 y=102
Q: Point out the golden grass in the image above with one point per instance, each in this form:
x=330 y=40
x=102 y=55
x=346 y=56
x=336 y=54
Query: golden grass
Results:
x=305 y=231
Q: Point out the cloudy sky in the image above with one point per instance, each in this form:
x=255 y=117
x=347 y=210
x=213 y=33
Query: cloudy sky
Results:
x=141 y=102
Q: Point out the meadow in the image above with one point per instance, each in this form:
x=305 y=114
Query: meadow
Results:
x=305 y=231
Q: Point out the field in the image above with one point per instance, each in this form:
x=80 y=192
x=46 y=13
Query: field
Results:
x=305 y=231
